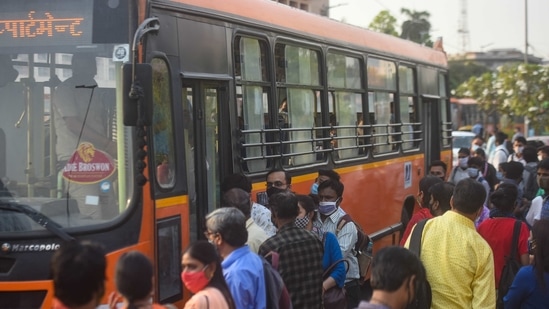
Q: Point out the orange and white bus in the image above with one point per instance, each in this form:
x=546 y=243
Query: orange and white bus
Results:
x=120 y=118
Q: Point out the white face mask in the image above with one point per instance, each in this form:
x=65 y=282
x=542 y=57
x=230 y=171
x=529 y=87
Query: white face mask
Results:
x=540 y=158
x=463 y=162
x=327 y=208
x=519 y=149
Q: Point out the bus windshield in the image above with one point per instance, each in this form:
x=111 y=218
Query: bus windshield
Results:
x=63 y=147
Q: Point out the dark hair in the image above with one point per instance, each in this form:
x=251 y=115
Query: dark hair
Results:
x=236 y=181
x=544 y=164
x=520 y=139
x=439 y=163
x=481 y=153
x=465 y=150
x=78 y=271
x=284 y=205
x=306 y=202
x=329 y=173
x=206 y=253
x=530 y=154
x=504 y=197
x=469 y=196
x=540 y=233
x=286 y=175
x=335 y=185
x=500 y=137
x=239 y=199
x=544 y=149
x=424 y=184
x=475 y=161
x=513 y=170
x=392 y=266
x=134 y=273
x=230 y=223
x=442 y=192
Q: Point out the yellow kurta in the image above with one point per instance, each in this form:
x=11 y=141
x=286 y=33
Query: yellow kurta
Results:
x=459 y=263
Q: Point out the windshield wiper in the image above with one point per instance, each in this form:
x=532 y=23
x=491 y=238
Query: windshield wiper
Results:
x=37 y=217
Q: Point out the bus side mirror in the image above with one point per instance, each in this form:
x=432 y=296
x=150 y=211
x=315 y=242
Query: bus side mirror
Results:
x=137 y=94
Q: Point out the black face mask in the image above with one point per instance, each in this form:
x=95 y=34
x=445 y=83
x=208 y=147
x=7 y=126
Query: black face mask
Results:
x=274 y=190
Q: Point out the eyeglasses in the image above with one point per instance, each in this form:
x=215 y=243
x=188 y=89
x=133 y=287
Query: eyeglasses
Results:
x=276 y=184
x=208 y=233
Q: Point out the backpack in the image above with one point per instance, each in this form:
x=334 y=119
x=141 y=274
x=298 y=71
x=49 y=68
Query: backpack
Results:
x=277 y=294
x=362 y=249
x=511 y=267
x=424 y=296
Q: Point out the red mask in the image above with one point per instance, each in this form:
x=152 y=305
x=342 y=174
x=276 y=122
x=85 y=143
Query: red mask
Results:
x=195 y=281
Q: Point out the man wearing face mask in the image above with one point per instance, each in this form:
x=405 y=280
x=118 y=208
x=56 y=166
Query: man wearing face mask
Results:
x=330 y=195
x=277 y=181
x=518 y=147
x=460 y=172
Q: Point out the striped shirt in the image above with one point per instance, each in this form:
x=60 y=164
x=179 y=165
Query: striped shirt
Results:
x=347 y=239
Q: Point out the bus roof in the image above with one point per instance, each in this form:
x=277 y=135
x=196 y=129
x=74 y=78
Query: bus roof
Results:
x=295 y=20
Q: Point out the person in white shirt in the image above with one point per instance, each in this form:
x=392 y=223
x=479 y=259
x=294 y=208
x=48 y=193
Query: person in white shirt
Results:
x=460 y=172
x=260 y=214
x=500 y=153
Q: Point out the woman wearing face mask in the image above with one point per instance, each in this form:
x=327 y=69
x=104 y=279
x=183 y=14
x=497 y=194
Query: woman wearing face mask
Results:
x=203 y=276
x=332 y=252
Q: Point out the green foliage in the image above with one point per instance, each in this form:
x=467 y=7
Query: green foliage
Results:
x=461 y=71
x=417 y=27
x=519 y=90
x=384 y=22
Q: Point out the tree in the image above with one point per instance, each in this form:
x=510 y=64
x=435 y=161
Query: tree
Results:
x=384 y=22
x=417 y=27
x=461 y=71
x=519 y=90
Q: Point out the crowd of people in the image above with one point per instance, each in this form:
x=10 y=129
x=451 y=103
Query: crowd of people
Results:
x=467 y=221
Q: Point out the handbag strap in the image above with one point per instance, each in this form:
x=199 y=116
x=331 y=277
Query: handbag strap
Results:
x=329 y=269
x=415 y=239
x=207 y=302
x=516 y=232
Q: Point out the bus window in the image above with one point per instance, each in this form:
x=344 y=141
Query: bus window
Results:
x=382 y=76
x=298 y=75
x=344 y=80
x=252 y=102
x=163 y=140
x=408 y=108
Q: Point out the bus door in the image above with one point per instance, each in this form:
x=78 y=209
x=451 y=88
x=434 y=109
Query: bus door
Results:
x=203 y=105
x=431 y=120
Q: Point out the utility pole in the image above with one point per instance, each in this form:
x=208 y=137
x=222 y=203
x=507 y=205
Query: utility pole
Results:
x=463 y=27
x=525 y=31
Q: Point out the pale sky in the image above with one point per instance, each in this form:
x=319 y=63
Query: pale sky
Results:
x=491 y=23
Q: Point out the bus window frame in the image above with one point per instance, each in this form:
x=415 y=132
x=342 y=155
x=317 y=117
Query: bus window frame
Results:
x=159 y=188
